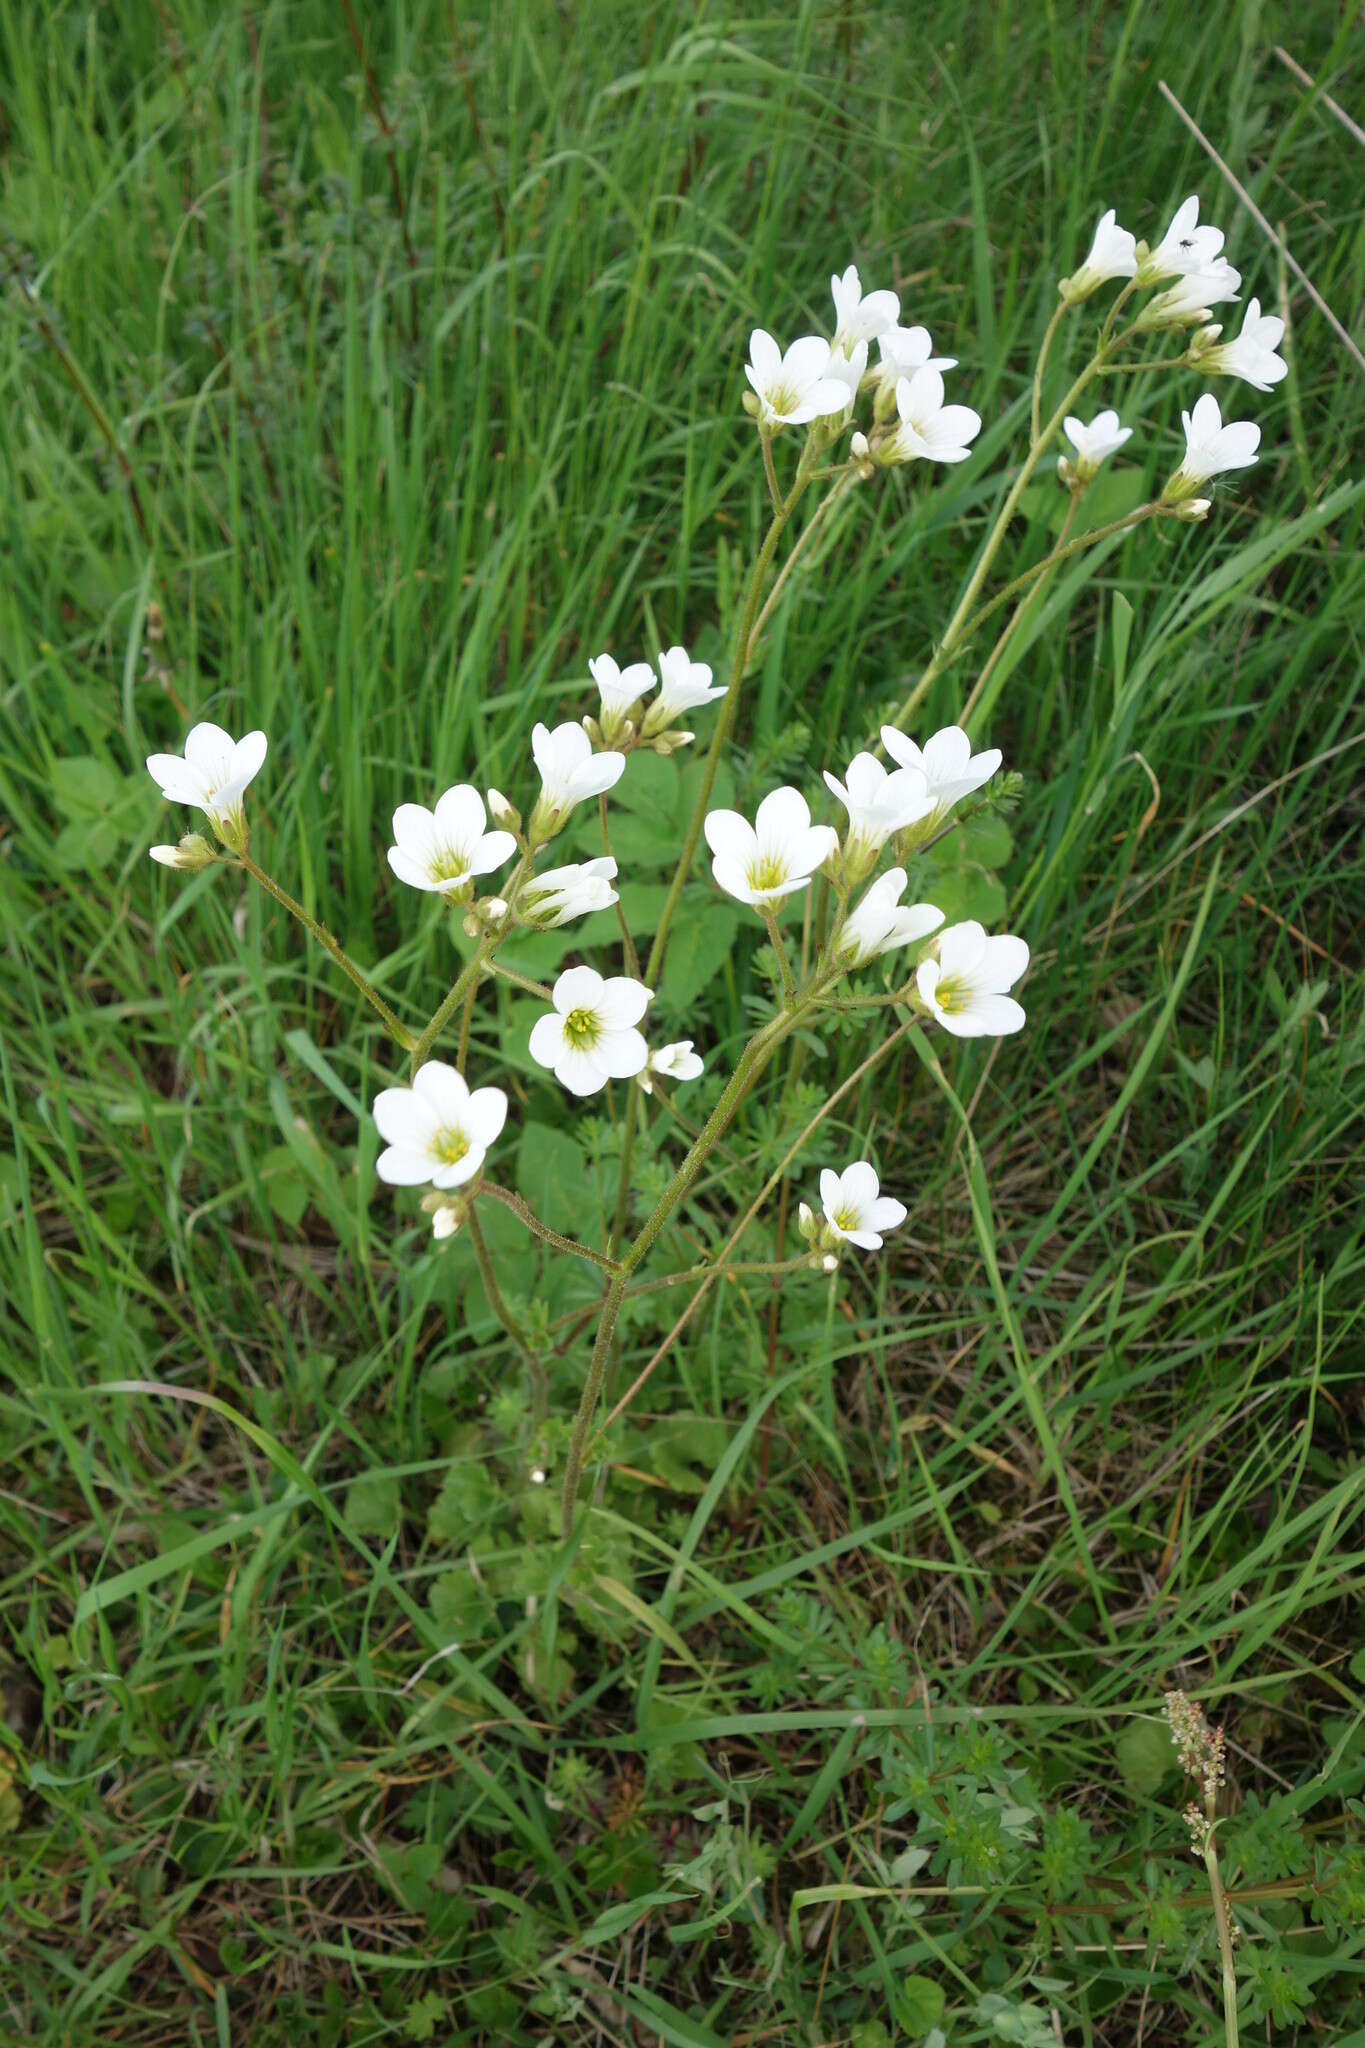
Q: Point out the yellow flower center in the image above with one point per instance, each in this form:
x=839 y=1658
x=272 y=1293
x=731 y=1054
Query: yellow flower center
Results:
x=582 y=1028
x=767 y=872
x=845 y=1219
x=449 y=866
x=449 y=1146
x=951 y=996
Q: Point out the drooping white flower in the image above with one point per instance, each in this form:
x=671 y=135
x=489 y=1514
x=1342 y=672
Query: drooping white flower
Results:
x=794 y=387
x=562 y=894
x=1094 y=443
x=191 y=853
x=858 y=317
x=848 y=368
x=446 y=848
x=946 y=762
x=1113 y=253
x=964 y=985
x=1190 y=297
x=879 y=924
x=878 y=803
x=1184 y=247
x=589 y=1038
x=439 y=1130
x=618 y=688
x=677 y=1062
x=1211 y=447
x=763 y=862
x=855 y=1209
x=927 y=430
x=684 y=685
x=569 y=773
x=1251 y=356
x=213 y=776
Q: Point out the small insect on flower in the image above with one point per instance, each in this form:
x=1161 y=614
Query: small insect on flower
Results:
x=1211 y=447
x=927 y=429
x=562 y=894
x=1095 y=443
x=1113 y=254
x=854 y=1208
x=589 y=1038
x=879 y=924
x=949 y=767
x=776 y=855
x=213 y=777
x=1251 y=356
x=860 y=317
x=570 y=772
x=963 y=984
x=1183 y=248
x=437 y=1130
x=684 y=685
x=446 y=849
x=792 y=388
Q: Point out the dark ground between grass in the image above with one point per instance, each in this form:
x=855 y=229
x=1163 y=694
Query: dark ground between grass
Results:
x=364 y=401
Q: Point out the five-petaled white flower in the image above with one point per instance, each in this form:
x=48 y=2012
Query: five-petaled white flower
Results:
x=946 y=762
x=684 y=685
x=676 y=1062
x=569 y=772
x=927 y=430
x=438 y=1130
x=447 y=848
x=878 y=803
x=879 y=923
x=1113 y=253
x=1184 y=247
x=1191 y=297
x=213 y=776
x=964 y=984
x=619 y=688
x=763 y=862
x=904 y=350
x=562 y=894
x=858 y=317
x=589 y=1038
x=1251 y=356
x=854 y=1207
x=794 y=387
x=1211 y=447
x=1094 y=443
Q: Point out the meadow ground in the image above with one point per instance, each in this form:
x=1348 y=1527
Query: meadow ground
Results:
x=363 y=402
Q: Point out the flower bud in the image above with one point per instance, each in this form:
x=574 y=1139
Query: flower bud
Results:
x=192 y=853
x=502 y=813
x=829 y=1264
x=750 y=404
x=592 y=729
x=857 y=447
x=668 y=742
x=806 y=1223
x=1193 y=510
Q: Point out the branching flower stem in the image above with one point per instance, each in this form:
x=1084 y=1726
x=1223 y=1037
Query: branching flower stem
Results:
x=397 y=1031
x=526 y=1216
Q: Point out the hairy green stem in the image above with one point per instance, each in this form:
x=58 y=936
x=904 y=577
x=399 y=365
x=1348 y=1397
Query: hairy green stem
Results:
x=526 y=1215
x=784 y=966
x=1036 y=409
x=397 y=1031
x=632 y=958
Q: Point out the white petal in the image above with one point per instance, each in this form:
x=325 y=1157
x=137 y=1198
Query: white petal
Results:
x=805 y=361
x=1005 y=961
x=887 y=1213
x=402 y=1168
x=460 y=815
x=248 y=754
x=622 y=1002
x=491 y=851
x=403 y=1119
x=484 y=1116
x=445 y=1089
x=578 y=988
x=730 y=836
x=579 y=1072
x=831 y=1188
x=765 y=355
x=621 y=1054
x=456 y=1172
x=860 y=1185
x=961 y=948
x=782 y=813
x=547 y=1042
x=414 y=873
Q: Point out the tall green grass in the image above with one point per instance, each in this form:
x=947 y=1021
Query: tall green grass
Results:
x=369 y=427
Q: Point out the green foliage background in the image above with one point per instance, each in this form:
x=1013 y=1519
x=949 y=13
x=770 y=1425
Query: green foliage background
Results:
x=842 y=1724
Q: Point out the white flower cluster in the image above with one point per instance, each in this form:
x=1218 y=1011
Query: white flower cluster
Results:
x=1189 y=262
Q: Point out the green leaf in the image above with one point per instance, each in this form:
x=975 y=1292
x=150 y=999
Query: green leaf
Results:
x=285 y=1188
x=1144 y=1756
x=373 y=1504
x=553 y=1175
x=920 y=2004
x=702 y=939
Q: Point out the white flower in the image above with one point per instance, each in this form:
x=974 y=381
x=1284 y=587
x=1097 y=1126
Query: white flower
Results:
x=684 y=685
x=904 y=350
x=1184 y=246
x=437 y=1130
x=569 y=772
x=928 y=430
x=878 y=804
x=879 y=924
x=1113 y=253
x=946 y=762
x=619 y=689
x=1094 y=443
x=589 y=1038
x=677 y=1062
x=763 y=862
x=446 y=848
x=1190 y=297
x=848 y=368
x=213 y=776
x=857 y=318
x=1211 y=447
x=964 y=987
x=1251 y=356
x=794 y=387
x=561 y=894
x=854 y=1209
